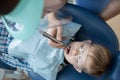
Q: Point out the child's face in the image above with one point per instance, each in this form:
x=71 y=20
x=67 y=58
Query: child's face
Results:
x=53 y=5
x=76 y=54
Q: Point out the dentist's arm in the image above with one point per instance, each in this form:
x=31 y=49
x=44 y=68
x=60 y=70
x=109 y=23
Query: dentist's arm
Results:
x=111 y=10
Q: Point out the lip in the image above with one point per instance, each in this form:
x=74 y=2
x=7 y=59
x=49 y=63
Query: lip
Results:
x=67 y=50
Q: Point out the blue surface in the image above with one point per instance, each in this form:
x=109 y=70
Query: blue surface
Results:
x=93 y=5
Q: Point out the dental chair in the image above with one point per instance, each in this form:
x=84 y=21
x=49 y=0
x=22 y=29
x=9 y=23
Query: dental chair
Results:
x=95 y=29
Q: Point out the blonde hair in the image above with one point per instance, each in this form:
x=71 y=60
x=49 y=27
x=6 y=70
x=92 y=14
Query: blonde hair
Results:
x=100 y=60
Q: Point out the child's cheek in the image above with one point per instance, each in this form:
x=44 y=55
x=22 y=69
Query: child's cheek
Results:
x=71 y=60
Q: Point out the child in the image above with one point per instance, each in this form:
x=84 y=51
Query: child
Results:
x=88 y=57
x=45 y=60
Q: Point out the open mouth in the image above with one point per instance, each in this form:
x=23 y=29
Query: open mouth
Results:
x=67 y=50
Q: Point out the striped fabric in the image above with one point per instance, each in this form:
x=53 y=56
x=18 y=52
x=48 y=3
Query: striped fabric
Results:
x=5 y=39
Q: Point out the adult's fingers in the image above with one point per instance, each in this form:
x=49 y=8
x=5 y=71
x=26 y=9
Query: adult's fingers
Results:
x=53 y=32
x=54 y=44
x=59 y=33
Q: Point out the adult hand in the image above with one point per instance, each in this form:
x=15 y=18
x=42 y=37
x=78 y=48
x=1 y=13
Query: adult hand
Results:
x=111 y=10
x=55 y=31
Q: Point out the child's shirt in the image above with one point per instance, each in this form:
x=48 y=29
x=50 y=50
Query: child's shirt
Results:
x=43 y=58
